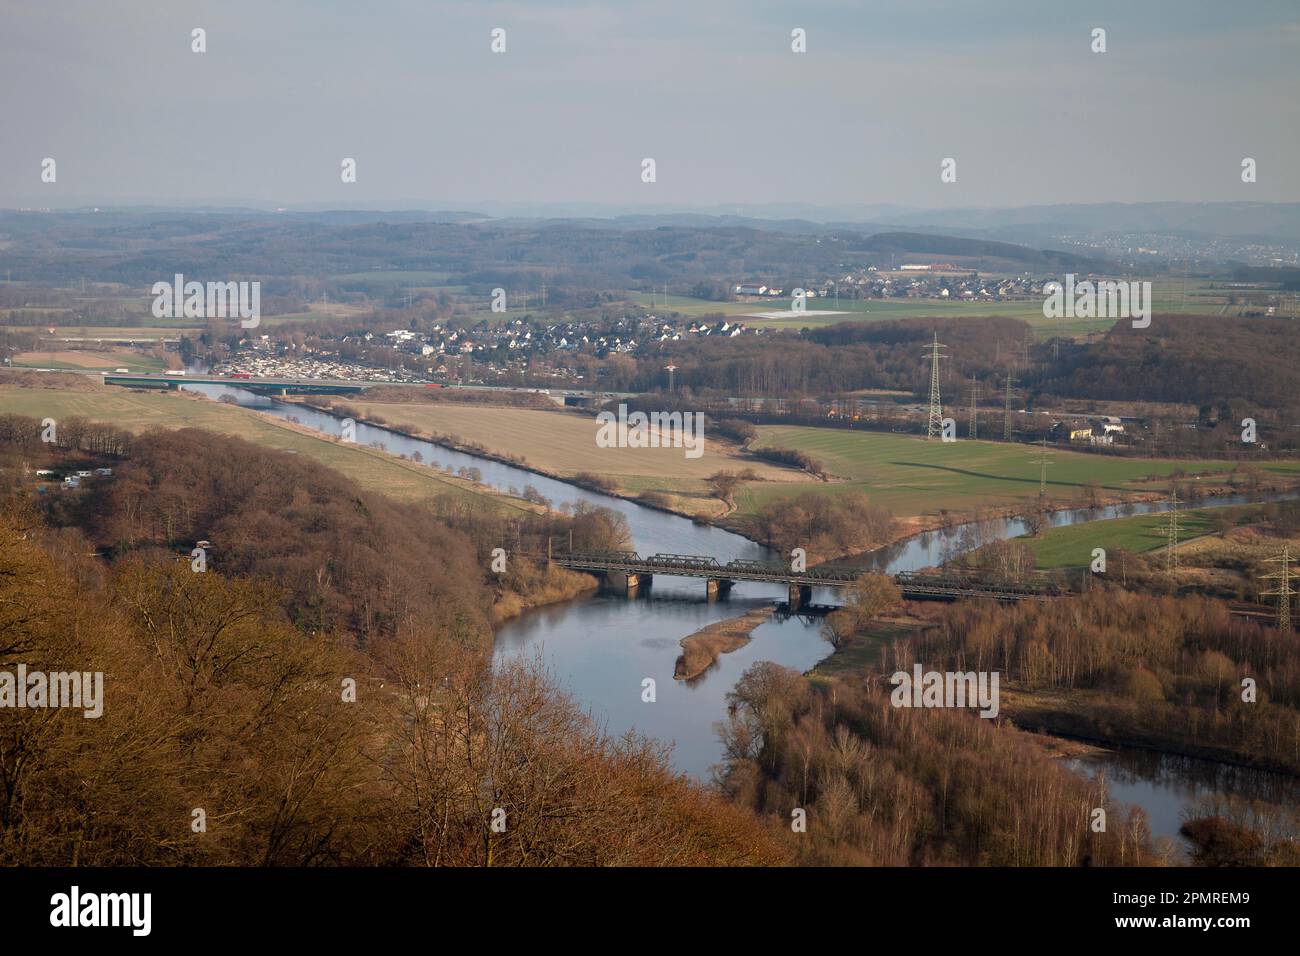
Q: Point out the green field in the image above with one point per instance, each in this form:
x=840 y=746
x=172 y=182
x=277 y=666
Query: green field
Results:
x=912 y=476
x=1071 y=546
x=139 y=410
x=1167 y=294
x=135 y=362
x=396 y=277
x=109 y=333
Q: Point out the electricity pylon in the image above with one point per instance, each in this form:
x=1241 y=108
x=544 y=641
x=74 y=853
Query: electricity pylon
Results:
x=935 y=425
x=974 y=408
x=1043 y=461
x=1173 y=525
x=1283 y=590
x=1006 y=416
x=670 y=368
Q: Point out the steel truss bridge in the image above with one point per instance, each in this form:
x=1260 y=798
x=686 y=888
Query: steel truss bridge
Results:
x=634 y=571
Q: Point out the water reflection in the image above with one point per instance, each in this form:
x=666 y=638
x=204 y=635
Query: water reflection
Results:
x=1168 y=787
x=602 y=646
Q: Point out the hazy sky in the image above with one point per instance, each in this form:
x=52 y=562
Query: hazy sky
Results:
x=709 y=88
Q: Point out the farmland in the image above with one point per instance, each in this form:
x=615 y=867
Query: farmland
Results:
x=564 y=444
x=912 y=476
x=86 y=359
x=1169 y=295
x=1071 y=546
x=140 y=410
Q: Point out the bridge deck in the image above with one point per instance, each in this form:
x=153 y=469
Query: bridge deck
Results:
x=911 y=584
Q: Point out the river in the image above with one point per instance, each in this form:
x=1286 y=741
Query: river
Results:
x=603 y=646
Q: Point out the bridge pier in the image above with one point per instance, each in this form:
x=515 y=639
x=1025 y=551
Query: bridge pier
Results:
x=800 y=595
x=628 y=584
x=717 y=588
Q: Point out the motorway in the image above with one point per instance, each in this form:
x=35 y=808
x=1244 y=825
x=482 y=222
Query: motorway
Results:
x=277 y=385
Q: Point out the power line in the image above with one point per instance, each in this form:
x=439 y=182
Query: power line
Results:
x=1006 y=415
x=935 y=425
x=1173 y=526
x=974 y=408
x=1043 y=460
x=1284 y=590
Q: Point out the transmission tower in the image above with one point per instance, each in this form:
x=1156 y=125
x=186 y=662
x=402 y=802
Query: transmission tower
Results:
x=935 y=425
x=974 y=408
x=1006 y=416
x=1173 y=526
x=670 y=368
x=1043 y=460
x=1283 y=590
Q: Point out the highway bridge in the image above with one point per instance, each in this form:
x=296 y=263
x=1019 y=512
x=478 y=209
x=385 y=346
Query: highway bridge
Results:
x=629 y=571
x=268 y=386
x=318 y=386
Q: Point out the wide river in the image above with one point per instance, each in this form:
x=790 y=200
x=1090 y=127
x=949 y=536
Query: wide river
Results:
x=603 y=646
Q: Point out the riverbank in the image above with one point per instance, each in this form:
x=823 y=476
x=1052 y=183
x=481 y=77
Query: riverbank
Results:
x=684 y=499
x=1084 y=715
x=1082 y=719
x=478 y=450
x=701 y=649
x=550 y=585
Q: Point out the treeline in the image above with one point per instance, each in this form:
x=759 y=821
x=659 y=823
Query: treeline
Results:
x=1135 y=668
x=824 y=525
x=578 y=259
x=346 y=560
x=72 y=434
x=886 y=786
x=1222 y=368
x=1239 y=364
x=832 y=360
x=792 y=457
x=230 y=736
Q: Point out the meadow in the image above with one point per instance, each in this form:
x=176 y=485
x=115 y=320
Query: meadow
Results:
x=1071 y=546
x=564 y=444
x=912 y=476
x=138 y=410
x=1168 y=295
x=80 y=359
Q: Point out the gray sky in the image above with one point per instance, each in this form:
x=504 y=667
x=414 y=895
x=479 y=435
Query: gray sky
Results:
x=709 y=88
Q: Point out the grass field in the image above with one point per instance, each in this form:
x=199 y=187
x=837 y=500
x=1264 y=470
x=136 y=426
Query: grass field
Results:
x=316 y=310
x=107 y=333
x=912 y=476
x=80 y=359
x=564 y=443
x=139 y=410
x=397 y=277
x=1071 y=546
x=1168 y=295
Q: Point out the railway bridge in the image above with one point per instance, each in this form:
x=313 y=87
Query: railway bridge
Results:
x=630 y=571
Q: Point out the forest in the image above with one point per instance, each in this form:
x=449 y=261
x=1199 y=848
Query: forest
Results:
x=891 y=787
x=137 y=248
x=323 y=693
x=1144 y=669
x=230 y=736
x=1227 y=364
